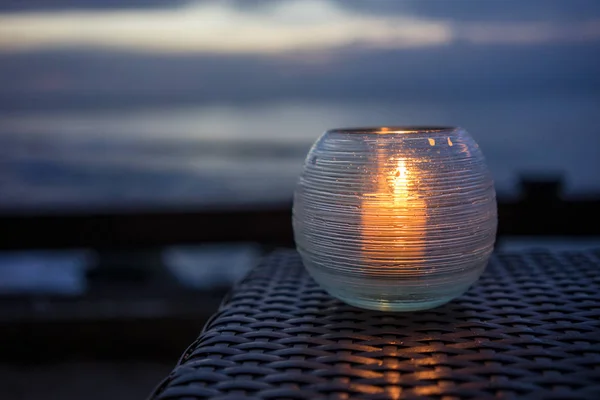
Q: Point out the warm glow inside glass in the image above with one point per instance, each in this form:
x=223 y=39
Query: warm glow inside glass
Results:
x=395 y=218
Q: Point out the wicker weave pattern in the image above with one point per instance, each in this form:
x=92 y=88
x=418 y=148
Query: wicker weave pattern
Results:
x=529 y=328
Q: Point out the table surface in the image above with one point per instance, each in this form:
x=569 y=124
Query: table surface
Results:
x=529 y=328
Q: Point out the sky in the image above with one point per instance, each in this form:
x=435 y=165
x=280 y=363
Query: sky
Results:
x=257 y=27
x=67 y=53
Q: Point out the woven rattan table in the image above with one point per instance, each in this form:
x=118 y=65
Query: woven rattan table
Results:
x=530 y=328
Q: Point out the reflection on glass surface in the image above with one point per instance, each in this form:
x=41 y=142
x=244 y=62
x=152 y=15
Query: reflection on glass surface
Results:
x=197 y=102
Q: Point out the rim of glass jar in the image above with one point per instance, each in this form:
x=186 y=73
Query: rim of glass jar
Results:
x=383 y=130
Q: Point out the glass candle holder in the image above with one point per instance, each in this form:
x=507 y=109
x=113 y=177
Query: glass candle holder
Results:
x=395 y=218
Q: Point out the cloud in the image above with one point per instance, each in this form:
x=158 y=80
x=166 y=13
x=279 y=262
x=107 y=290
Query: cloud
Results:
x=483 y=10
x=217 y=27
x=263 y=51
x=272 y=27
x=461 y=71
x=62 y=5
x=519 y=33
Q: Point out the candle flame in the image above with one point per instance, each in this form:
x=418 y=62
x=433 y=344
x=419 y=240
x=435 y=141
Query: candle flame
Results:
x=401 y=181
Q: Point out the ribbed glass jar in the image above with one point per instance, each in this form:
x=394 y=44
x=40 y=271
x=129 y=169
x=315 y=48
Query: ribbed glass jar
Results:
x=395 y=218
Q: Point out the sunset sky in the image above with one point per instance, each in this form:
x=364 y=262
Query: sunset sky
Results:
x=67 y=53
x=286 y=26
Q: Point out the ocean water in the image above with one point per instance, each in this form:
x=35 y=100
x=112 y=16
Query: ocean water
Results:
x=215 y=155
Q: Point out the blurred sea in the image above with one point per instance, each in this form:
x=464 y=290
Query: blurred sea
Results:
x=249 y=153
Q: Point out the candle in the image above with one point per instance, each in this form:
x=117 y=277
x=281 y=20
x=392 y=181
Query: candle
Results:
x=393 y=218
x=396 y=219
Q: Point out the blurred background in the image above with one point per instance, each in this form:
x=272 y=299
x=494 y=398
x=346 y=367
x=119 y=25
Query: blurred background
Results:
x=183 y=109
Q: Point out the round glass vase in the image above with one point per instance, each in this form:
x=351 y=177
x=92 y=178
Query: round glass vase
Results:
x=395 y=218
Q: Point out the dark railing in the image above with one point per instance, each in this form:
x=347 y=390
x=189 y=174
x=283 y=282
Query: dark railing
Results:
x=538 y=211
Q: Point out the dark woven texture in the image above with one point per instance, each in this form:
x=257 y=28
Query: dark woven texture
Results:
x=528 y=329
